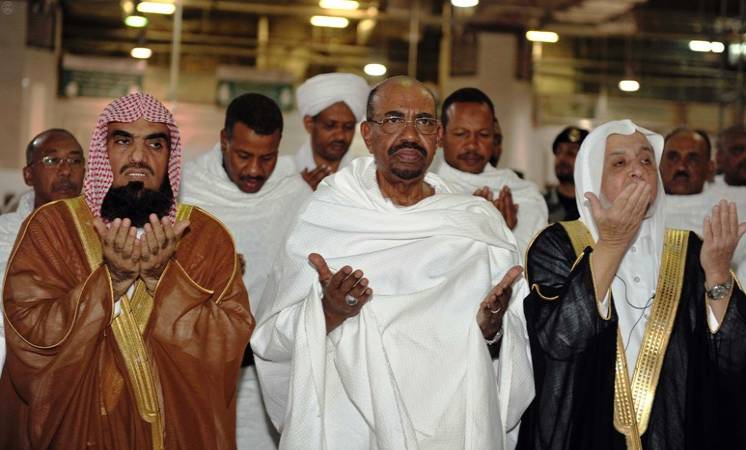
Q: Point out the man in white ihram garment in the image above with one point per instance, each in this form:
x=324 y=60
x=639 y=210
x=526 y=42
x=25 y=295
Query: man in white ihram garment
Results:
x=331 y=105
x=255 y=194
x=55 y=167
x=685 y=167
x=468 y=117
x=391 y=290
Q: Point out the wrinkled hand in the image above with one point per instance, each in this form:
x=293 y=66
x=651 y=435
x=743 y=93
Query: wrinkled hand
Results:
x=503 y=203
x=158 y=244
x=337 y=287
x=314 y=177
x=720 y=235
x=618 y=224
x=493 y=307
x=121 y=253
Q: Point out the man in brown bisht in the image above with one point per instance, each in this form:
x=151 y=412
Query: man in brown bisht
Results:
x=126 y=315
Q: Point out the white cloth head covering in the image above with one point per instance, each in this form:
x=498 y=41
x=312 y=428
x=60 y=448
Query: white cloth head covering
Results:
x=635 y=282
x=322 y=91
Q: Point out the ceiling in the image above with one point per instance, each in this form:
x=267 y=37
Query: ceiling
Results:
x=601 y=40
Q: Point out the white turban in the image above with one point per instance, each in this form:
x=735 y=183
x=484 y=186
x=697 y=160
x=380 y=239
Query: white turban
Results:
x=322 y=91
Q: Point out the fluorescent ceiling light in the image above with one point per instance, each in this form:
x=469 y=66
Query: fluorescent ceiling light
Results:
x=329 y=21
x=374 y=69
x=717 y=47
x=339 y=4
x=464 y=3
x=141 y=52
x=542 y=36
x=629 y=85
x=156 y=7
x=136 y=21
x=700 y=46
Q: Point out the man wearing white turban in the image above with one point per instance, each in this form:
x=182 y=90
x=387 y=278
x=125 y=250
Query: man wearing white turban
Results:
x=636 y=330
x=331 y=105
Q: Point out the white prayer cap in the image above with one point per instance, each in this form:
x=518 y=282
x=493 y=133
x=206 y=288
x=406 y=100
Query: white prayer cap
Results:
x=322 y=91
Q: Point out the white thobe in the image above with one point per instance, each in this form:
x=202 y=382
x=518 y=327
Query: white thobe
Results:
x=10 y=223
x=411 y=370
x=532 y=209
x=259 y=223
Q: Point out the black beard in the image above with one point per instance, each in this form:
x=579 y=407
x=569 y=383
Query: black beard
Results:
x=137 y=203
x=569 y=178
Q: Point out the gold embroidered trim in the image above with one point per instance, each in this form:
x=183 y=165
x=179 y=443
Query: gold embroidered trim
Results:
x=127 y=329
x=633 y=401
x=536 y=288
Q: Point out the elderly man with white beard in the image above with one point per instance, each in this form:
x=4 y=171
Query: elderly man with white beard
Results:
x=468 y=140
x=636 y=329
x=255 y=193
x=391 y=290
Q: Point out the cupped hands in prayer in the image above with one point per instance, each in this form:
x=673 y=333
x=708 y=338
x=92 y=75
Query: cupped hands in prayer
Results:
x=128 y=257
x=618 y=223
x=495 y=304
x=503 y=203
x=345 y=292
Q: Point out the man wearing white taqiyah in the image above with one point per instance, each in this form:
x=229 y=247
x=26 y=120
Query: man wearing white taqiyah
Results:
x=468 y=141
x=395 y=357
x=255 y=194
x=54 y=169
x=331 y=105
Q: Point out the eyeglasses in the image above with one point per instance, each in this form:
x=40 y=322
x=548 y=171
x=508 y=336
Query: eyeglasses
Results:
x=394 y=124
x=56 y=161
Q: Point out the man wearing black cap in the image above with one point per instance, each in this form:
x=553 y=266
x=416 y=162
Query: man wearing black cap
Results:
x=561 y=198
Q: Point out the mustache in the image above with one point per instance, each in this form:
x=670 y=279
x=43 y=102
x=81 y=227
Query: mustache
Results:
x=470 y=154
x=64 y=185
x=136 y=165
x=681 y=173
x=338 y=142
x=407 y=144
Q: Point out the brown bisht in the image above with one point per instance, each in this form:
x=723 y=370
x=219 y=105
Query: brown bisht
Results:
x=160 y=375
x=690 y=393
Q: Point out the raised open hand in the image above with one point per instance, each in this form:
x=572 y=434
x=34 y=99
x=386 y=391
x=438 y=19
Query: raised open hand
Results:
x=618 y=224
x=493 y=307
x=720 y=235
x=345 y=292
x=314 y=177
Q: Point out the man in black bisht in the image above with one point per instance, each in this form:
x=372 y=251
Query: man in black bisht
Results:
x=637 y=332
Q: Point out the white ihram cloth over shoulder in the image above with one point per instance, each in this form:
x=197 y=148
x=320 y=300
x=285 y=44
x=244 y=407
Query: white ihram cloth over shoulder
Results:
x=10 y=224
x=411 y=370
x=532 y=209
x=259 y=222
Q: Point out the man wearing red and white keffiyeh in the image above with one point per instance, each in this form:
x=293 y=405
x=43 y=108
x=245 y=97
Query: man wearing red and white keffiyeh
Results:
x=127 y=315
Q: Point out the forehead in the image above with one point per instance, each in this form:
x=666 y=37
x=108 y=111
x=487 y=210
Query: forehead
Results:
x=403 y=96
x=620 y=143
x=685 y=141
x=57 y=142
x=139 y=128
x=471 y=111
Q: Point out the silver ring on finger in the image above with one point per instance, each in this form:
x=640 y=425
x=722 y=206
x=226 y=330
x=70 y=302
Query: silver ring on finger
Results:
x=350 y=300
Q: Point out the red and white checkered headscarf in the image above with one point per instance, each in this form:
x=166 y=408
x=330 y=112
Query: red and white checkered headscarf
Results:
x=99 y=176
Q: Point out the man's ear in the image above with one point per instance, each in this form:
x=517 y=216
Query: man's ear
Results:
x=367 y=132
x=710 y=172
x=223 y=141
x=28 y=176
x=308 y=124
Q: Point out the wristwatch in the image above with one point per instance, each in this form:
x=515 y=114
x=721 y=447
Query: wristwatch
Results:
x=718 y=291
